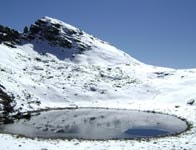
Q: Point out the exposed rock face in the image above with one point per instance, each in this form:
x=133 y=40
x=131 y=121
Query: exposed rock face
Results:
x=50 y=32
x=5 y=105
x=9 y=36
x=57 y=35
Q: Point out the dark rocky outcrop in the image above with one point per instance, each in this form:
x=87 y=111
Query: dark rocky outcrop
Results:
x=7 y=112
x=6 y=106
x=9 y=36
x=56 y=35
x=50 y=32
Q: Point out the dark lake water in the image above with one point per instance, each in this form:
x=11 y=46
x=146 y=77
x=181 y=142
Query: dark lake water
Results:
x=96 y=124
x=146 y=132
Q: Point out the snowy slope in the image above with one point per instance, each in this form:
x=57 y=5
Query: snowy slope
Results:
x=42 y=73
x=44 y=79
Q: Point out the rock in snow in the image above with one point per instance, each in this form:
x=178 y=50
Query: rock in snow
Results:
x=191 y=101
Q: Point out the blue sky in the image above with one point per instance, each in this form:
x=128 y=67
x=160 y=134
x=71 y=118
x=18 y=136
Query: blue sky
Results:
x=157 y=32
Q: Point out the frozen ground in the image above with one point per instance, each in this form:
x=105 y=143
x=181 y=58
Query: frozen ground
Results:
x=95 y=78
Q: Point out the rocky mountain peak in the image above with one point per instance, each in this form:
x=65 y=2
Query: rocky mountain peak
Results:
x=48 y=35
x=57 y=33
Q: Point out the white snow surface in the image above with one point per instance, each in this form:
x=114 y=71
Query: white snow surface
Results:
x=103 y=77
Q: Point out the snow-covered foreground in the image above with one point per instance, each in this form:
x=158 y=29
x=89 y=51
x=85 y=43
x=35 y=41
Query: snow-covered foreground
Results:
x=101 y=77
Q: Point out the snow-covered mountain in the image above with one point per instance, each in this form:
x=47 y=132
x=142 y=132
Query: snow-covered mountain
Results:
x=69 y=43
x=52 y=41
x=55 y=65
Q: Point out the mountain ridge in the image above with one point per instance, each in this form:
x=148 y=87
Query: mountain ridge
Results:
x=49 y=35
